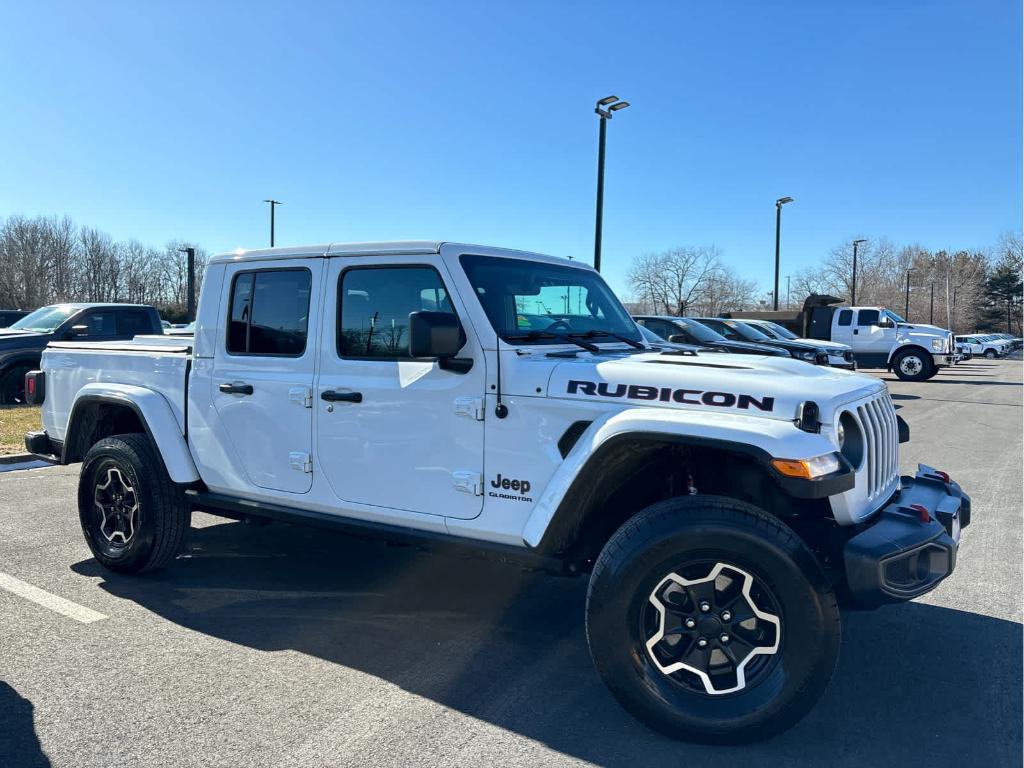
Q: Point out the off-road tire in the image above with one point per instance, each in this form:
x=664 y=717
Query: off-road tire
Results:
x=907 y=370
x=162 y=518
x=12 y=384
x=659 y=540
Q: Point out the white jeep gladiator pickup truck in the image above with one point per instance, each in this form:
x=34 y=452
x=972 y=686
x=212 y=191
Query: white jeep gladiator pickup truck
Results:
x=459 y=395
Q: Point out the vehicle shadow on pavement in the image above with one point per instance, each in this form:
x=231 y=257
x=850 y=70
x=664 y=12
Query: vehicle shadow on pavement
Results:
x=19 y=745
x=915 y=682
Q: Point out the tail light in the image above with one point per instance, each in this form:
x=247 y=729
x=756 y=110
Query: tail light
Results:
x=35 y=387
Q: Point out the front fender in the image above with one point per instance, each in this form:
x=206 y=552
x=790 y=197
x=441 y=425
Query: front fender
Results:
x=156 y=416
x=775 y=437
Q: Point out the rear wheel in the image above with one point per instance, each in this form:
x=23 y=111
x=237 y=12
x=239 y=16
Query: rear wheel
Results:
x=913 y=365
x=133 y=515
x=12 y=385
x=711 y=621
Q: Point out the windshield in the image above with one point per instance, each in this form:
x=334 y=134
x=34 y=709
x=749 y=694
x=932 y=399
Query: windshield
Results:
x=893 y=316
x=777 y=330
x=537 y=302
x=650 y=336
x=699 y=332
x=735 y=331
x=45 y=319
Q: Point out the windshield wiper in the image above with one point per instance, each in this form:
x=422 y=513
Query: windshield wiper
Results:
x=534 y=335
x=595 y=334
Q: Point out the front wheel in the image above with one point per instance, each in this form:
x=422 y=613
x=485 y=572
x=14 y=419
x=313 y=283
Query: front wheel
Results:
x=913 y=365
x=710 y=621
x=133 y=515
x=991 y=354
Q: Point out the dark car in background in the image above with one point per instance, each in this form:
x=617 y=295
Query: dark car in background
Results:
x=21 y=344
x=8 y=316
x=681 y=330
x=734 y=330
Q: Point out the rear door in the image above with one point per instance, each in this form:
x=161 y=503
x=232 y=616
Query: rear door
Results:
x=263 y=370
x=842 y=329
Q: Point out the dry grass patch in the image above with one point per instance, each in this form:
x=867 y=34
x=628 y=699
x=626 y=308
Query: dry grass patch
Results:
x=15 y=421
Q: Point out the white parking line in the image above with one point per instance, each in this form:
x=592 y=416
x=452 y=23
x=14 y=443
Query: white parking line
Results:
x=47 y=600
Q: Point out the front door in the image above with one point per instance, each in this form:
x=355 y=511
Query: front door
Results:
x=871 y=338
x=394 y=431
x=263 y=372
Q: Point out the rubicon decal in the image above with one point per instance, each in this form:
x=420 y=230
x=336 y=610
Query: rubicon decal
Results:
x=668 y=394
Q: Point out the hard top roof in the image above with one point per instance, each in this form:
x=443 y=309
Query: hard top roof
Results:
x=382 y=248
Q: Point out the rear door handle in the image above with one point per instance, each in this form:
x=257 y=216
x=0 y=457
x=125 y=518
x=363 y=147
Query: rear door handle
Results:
x=236 y=388
x=347 y=397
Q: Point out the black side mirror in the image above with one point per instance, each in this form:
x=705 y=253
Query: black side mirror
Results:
x=434 y=334
x=678 y=338
x=78 y=331
x=885 y=322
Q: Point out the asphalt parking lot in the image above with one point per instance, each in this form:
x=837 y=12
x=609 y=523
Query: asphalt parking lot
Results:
x=279 y=645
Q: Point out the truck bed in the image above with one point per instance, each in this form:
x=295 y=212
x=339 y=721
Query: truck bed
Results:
x=159 y=363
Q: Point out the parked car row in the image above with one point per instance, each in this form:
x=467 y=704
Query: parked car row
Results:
x=748 y=337
x=990 y=345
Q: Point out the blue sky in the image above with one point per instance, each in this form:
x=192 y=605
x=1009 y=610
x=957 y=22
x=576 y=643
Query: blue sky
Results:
x=474 y=121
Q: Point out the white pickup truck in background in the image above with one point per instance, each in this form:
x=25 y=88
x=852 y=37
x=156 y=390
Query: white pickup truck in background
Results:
x=878 y=336
x=505 y=402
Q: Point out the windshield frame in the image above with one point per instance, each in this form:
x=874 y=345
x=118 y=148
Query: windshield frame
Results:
x=893 y=316
x=616 y=320
x=24 y=324
x=783 y=333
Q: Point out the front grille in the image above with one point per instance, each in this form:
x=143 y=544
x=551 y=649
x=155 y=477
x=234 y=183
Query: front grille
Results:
x=877 y=419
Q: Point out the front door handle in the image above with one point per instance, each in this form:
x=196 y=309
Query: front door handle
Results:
x=346 y=397
x=855 y=332
x=236 y=388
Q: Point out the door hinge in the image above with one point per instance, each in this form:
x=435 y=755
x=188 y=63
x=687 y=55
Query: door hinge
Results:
x=470 y=406
x=301 y=461
x=301 y=395
x=469 y=482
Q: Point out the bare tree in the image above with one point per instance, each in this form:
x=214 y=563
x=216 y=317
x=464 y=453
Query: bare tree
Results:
x=671 y=281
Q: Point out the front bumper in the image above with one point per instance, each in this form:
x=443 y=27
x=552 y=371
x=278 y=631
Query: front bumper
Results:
x=911 y=545
x=942 y=359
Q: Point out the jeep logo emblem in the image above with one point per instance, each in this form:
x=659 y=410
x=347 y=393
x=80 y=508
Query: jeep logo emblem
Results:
x=523 y=486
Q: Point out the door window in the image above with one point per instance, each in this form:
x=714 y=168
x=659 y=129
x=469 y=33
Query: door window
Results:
x=374 y=308
x=867 y=317
x=100 y=324
x=132 y=322
x=846 y=317
x=269 y=313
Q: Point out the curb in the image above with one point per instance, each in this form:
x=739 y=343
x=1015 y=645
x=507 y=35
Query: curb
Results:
x=20 y=458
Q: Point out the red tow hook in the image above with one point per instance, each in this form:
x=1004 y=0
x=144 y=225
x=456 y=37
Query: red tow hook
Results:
x=943 y=475
x=922 y=513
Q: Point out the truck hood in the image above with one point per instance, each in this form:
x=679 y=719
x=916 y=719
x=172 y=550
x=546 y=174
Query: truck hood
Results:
x=922 y=329
x=770 y=387
x=11 y=339
x=828 y=346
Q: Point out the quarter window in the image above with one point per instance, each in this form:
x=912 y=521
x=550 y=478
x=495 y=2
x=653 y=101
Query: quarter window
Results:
x=269 y=313
x=375 y=304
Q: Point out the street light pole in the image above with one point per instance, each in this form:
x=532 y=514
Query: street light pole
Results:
x=931 y=307
x=853 y=287
x=778 y=230
x=273 y=204
x=906 y=302
x=788 y=291
x=604 y=110
x=190 y=297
